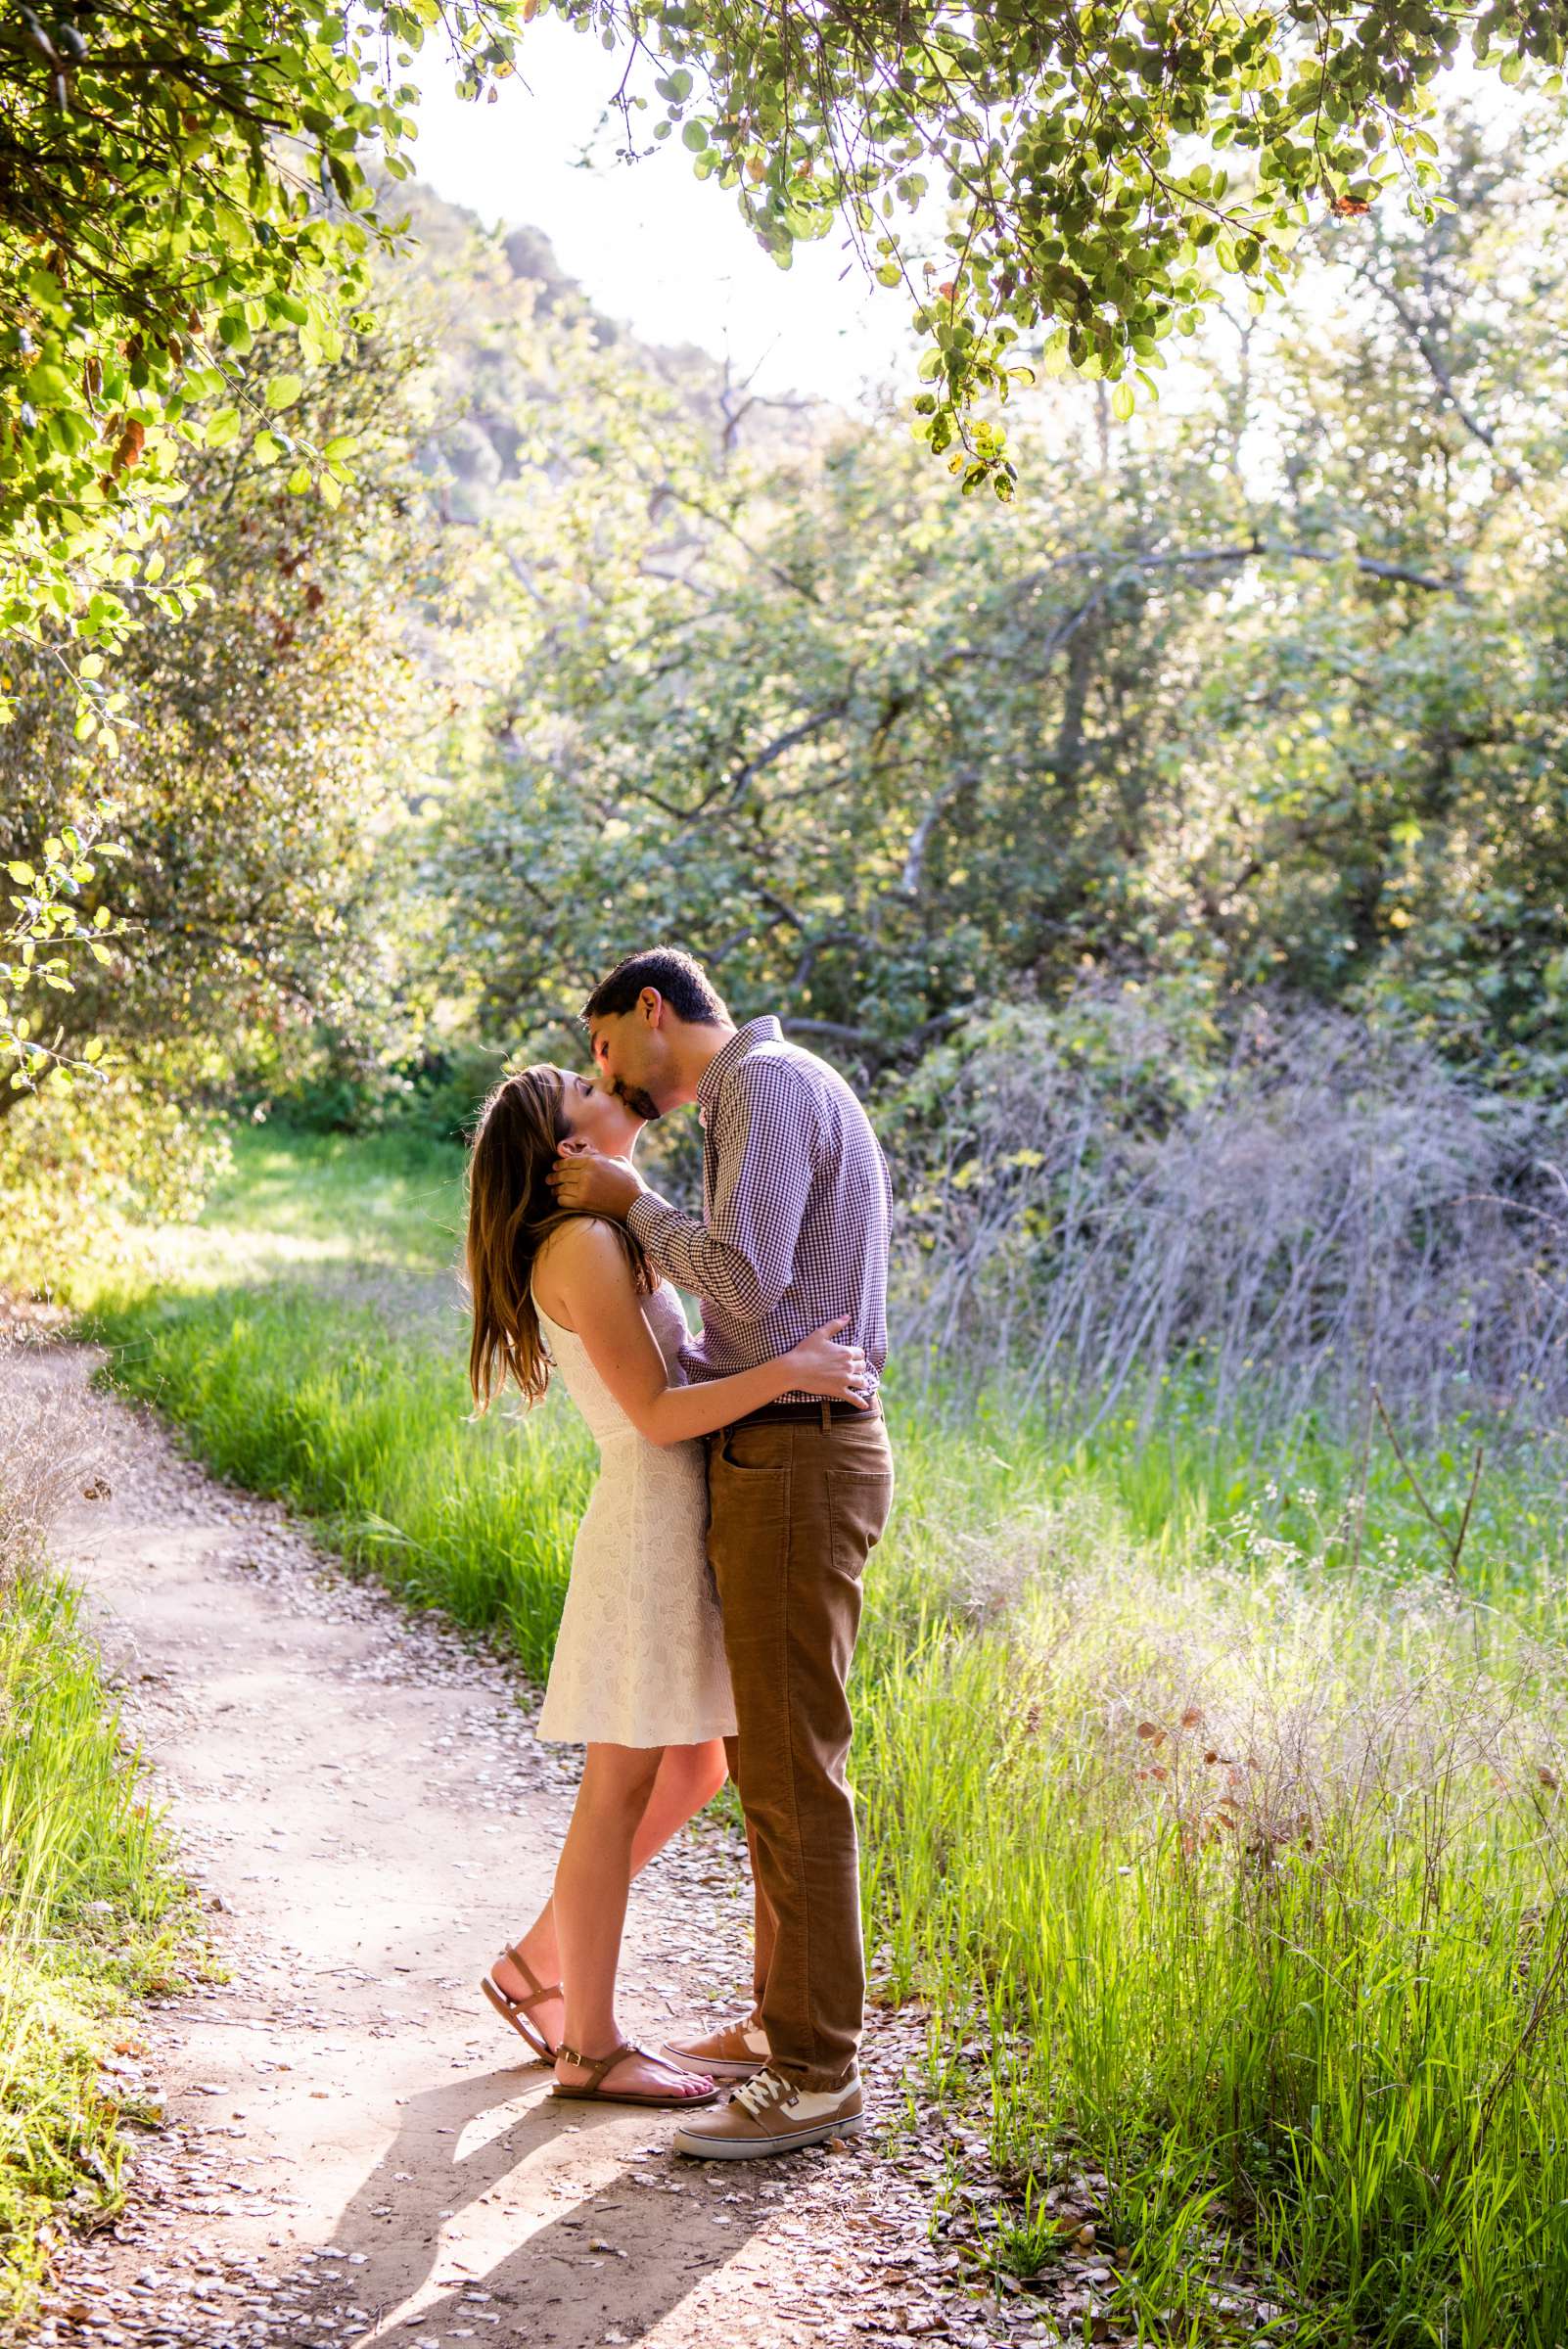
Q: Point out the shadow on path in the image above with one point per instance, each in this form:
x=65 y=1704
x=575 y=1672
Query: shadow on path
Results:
x=496 y=2213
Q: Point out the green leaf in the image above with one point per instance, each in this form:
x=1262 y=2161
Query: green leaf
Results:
x=283 y=390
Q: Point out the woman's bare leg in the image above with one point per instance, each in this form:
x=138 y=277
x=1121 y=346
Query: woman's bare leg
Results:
x=690 y=1777
x=592 y=1878
x=687 y=1779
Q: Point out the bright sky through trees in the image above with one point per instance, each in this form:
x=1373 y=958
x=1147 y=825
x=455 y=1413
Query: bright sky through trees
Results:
x=650 y=244
x=667 y=253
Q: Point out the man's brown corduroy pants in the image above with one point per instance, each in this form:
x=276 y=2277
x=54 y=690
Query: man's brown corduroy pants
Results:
x=795 y=1507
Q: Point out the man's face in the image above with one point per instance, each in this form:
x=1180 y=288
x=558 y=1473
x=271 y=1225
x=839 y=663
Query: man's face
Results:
x=633 y=1058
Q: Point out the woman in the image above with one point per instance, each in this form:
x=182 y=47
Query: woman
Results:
x=638 y=1675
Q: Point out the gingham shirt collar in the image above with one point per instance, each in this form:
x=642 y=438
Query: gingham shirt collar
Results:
x=765 y=1030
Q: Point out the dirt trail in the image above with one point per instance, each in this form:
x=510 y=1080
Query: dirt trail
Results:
x=355 y=2148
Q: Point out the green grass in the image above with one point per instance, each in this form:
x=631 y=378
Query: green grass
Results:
x=332 y=1208
x=92 y=1916
x=1199 y=1797
x=1251 y=1883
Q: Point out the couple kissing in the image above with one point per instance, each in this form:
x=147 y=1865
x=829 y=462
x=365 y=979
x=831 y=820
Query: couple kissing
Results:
x=744 y=1476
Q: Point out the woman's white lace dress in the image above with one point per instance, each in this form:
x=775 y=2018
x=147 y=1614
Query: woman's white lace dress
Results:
x=640 y=1657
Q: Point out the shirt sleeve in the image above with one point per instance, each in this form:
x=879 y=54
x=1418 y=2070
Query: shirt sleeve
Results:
x=764 y=1137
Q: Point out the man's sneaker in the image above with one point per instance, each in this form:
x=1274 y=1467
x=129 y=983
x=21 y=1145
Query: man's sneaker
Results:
x=770 y=2116
x=736 y=2052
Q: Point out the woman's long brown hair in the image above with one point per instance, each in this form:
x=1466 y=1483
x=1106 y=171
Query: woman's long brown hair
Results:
x=511 y=1207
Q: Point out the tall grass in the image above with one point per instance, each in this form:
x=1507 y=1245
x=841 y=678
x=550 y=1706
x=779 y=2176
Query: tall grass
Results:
x=91 y=1910
x=1202 y=1796
x=1256 y=1884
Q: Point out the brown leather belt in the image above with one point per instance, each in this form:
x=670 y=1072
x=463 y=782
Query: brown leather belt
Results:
x=808 y=1414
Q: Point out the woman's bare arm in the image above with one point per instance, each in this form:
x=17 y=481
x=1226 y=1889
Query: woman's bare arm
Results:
x=587 y=1274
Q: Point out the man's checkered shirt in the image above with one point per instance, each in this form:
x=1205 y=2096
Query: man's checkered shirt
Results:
x=796 y=1208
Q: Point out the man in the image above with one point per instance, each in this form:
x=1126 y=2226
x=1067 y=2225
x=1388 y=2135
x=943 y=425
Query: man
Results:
x=793 y=1234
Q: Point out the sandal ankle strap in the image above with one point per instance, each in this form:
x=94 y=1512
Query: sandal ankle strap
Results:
x=536 y=1991
x=596 y=2066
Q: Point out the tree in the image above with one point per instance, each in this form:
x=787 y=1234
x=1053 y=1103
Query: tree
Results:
x=265 y=751
x=1070 y=156
x=1267 y=692
x=45 y=939
x=178 y=176
x=178 y=179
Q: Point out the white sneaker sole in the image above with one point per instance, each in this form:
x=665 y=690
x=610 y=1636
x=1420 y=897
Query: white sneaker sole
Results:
x=717 y=2067
x=753 y=2148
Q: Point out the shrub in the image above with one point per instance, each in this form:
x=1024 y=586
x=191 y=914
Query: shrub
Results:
x=1103 y=1196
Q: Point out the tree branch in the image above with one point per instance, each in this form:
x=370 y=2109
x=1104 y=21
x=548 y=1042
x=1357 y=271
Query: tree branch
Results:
x=920 y=838
x=1439 y=372
x=840 y=1032
x=1257 y=550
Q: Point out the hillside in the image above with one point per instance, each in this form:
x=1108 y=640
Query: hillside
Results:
x=480 y=295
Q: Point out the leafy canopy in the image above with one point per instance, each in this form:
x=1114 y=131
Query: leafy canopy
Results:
x=261 y=747
x=183 y=176
x=1089 y=163
x=1267 y=692
x=44 y=933
x=179 y=177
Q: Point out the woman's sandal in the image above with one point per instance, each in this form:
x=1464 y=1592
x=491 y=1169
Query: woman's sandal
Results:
x=592 y=2091
x=513 y=2010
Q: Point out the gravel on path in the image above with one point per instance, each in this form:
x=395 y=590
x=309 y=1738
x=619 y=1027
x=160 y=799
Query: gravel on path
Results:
x=352 y=2148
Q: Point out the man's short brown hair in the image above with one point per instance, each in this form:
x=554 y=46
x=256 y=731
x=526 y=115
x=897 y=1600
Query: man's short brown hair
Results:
x=678 y=977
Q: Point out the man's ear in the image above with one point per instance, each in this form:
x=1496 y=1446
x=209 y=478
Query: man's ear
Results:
x=651 y=1003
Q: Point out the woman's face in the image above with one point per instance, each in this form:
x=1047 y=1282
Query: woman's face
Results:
x=596 y=1117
